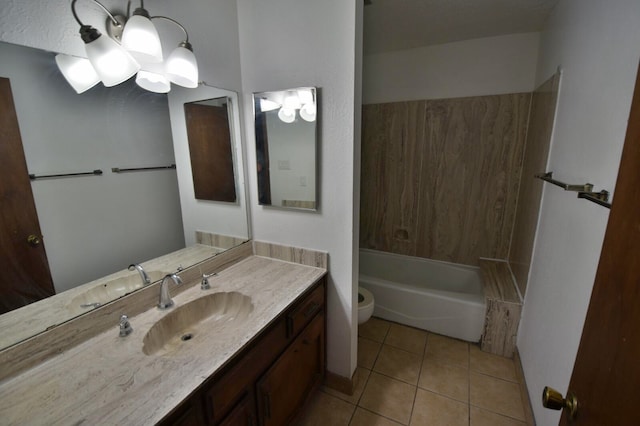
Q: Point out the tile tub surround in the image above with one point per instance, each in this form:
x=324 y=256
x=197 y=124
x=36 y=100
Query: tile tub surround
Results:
x=440 y=177
x=455 y=384
x=541 y=119
x=108 y=379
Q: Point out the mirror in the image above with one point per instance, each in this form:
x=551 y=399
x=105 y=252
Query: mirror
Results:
x=286 y=134
x=95 y=226
x=210 y=149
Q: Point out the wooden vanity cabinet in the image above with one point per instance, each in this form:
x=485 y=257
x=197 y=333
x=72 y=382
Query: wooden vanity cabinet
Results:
x=268 y=382
x=283 y=389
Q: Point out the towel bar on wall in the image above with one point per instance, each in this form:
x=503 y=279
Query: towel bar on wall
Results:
x=584 y=191
x=141 y=169
x=96 y=172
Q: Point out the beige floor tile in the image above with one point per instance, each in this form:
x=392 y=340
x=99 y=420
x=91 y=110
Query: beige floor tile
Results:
x=388 y=397
x=399 y=364
x=487 y=418
x=407 y=338
x=447 y=350
x=492 y=365
x=497 y=395
x=375 y=329
x=446 y=379
x=435 y=410
x=367 y=352
x=324 y=409
x=366 y=418
x=360 y=378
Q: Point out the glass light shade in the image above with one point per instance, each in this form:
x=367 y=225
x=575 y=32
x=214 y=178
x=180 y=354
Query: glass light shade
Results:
x=288 y=115
x=305 y=96
x=112 y=63
x=182 y=67
x=140 y=38
x=152 y=78
x=308 y=112
x=268 y=105
x=78 y=72
x=291 y=101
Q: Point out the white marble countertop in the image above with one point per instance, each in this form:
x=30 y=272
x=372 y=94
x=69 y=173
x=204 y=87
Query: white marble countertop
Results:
x=108 y=380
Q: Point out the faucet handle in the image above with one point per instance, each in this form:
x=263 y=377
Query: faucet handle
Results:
x=125 y=326
x=205 y=284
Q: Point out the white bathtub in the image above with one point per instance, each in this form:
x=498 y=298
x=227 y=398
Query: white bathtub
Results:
x=441 y=297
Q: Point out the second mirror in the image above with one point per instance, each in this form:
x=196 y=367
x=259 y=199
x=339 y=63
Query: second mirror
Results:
x=286 y=129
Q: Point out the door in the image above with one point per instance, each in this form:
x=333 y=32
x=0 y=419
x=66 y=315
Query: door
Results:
x=606 y=374
x=25 y=276
x=210 y=150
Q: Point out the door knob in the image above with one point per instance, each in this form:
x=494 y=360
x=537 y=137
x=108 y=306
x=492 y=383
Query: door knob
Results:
x=553 y=400
x=33 y=240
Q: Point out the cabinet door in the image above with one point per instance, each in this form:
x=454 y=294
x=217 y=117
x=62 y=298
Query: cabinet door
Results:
x=285 y=386
x=243 y=414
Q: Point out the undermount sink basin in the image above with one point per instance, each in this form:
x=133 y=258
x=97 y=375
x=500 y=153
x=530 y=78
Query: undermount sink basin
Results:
x=188 y=322
x=111 y=290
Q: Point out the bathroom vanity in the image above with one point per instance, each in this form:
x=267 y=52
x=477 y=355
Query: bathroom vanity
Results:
x=254 y=368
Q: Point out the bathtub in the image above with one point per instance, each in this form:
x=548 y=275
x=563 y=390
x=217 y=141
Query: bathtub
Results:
x=441 y=297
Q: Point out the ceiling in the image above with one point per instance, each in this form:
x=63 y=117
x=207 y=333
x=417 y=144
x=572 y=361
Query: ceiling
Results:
x=405 y=24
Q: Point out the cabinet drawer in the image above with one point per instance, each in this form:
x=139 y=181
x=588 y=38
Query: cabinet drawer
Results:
x=306 y=310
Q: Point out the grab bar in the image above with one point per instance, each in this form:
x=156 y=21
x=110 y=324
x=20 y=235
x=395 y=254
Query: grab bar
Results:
x=548 y=177
x=584 y=191
x=141 y=169
x=96 y=172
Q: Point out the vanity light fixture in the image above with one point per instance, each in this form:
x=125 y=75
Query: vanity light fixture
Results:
x=288 y=115
x=140 y=52
x=289 y=103
x=110 y=61
x=141 y=38
x=78 y=72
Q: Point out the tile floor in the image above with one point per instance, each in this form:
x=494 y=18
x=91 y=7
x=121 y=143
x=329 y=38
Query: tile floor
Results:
x=407 y=376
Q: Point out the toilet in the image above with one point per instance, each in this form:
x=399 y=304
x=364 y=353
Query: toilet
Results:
x=365 y=305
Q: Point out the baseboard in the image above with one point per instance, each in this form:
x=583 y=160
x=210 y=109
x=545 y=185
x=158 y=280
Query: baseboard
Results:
x=342 y=384
x=526 y=399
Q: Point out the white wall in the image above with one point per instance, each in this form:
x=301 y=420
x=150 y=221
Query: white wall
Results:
x=486 y=66
x=596 y=44
x=288 y=43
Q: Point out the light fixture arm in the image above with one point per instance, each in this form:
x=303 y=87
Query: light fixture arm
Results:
x=186 y=34
x=75 y=15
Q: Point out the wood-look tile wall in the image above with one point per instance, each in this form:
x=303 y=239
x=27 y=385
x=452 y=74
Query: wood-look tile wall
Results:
x=440 y=177
x=543 y=109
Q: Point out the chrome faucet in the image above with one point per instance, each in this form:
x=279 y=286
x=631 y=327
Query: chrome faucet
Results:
x=143 y=274
x=165 y=298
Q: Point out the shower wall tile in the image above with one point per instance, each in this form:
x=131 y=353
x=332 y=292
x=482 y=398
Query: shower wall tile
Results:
x=543 y=109
x=440 y=177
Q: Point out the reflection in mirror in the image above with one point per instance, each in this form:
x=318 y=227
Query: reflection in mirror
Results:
x=210 y=149
x=95 y=226
x=285 y=129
